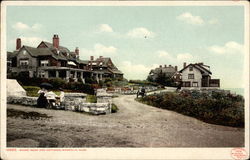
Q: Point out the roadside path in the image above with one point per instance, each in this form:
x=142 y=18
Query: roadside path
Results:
x=135 y=125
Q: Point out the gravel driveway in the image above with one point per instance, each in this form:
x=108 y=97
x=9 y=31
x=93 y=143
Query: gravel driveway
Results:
x=135 y=125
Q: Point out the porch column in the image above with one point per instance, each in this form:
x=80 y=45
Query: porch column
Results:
x=67 y=75
x=75 y=76
x=46 y=75
x=81 y=74
x=97 y=79
x=57 y=74
x=100 y=76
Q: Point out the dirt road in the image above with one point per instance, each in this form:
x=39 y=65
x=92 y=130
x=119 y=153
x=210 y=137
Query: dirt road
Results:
x=135 y=125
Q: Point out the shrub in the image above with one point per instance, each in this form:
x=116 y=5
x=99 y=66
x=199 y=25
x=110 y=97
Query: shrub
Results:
x=91 y=98
x=218 y=108
x=57 y=83
x=114 y=108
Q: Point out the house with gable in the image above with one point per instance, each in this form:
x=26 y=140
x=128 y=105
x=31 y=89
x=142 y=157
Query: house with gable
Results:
x=196 y=76
x=103 y=67
x=51 y=60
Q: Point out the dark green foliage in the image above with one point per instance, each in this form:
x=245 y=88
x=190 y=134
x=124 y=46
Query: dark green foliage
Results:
x=163 y=79
x=79 y=87
x=90 y=80
x=114 y=108
x=218 y=108
x=57 y=82
x=91 y=98
x=143 y=82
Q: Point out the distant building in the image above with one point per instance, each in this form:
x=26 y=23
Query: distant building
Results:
x=103 y=67
x=198 y=75
x=167 y=71
x=50 y=60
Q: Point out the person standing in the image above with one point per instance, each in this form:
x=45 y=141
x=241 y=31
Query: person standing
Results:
x=42 y=101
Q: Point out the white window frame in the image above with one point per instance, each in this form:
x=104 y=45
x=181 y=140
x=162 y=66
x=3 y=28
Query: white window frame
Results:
x=189 y=76
x=196 y=84
x=44 y=62
x=24 y=62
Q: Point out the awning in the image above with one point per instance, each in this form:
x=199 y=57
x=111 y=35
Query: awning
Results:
x=71 y=63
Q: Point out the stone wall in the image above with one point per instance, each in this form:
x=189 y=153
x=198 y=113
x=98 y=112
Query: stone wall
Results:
x=73 y=102
x=93 y=108
x=23 y=100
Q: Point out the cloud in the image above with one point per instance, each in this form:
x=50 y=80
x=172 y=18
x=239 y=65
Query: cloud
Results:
x=105 y=28
x=228 y=48
x=213 y=21
x=185 y=57
x=178 y=58
x=99 y=50
x=28 y=41
x=104 y=49
x=135 y=71
x=19 y=26
x=191 y=19
x=140 y=33
x=165 y=55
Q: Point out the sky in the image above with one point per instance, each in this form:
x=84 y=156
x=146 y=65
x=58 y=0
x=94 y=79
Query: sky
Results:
x=140 y=38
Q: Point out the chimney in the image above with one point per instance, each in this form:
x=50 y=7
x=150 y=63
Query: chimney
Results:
x=56 y=41
x=77 y=51
x=160 y=66
x=165 y=66
x=176 y=68
x=170 y=65
x=184 y=64
x=100 y=57
x=91 y=58
x=201 y=63
x=18 y=43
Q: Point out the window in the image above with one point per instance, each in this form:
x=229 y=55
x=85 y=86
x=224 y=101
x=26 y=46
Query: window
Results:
x=191 y=68
x=186 y=84
x=24 y=52
x=190 y=76
x=195 y=84
x=44 y=63
x=24 y=62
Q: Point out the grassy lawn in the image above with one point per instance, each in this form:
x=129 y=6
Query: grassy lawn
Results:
x=91 y=98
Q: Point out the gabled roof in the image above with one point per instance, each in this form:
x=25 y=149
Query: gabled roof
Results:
x=116 y=71
x=36 y=52
x=197 y=66
x=50 y=45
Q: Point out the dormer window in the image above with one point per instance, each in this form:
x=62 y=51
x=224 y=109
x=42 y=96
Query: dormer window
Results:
x=24 y=52
x=44 y=63
x=191 y=68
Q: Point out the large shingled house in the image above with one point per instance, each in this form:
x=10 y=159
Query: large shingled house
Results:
x=50 y=60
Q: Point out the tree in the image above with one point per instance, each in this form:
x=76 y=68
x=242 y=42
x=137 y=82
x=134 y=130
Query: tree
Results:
x=165 y=80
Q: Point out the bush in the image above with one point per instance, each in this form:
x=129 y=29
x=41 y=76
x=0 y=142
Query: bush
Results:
x=218 y=108
x=114 y=108
x=57 y=83
x=91 y=98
